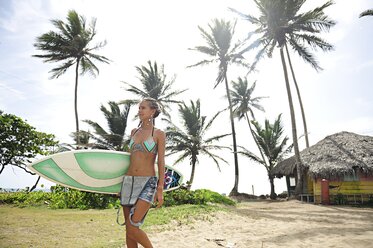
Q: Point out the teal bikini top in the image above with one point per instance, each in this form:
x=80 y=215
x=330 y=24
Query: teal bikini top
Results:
x=148 y=145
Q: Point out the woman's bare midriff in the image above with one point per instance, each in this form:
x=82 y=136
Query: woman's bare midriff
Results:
x=141 y=164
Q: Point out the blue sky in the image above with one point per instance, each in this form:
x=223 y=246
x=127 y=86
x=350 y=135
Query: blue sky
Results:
x=339 y=98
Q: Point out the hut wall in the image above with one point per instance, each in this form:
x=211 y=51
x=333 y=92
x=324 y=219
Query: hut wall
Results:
x=309 y=185
x=350 y=189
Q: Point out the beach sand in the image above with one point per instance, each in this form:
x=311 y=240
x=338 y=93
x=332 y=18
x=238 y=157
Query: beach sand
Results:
x=273 y=224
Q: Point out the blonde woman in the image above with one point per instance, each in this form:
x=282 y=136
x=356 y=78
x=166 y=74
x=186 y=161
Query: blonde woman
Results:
x=141 y=186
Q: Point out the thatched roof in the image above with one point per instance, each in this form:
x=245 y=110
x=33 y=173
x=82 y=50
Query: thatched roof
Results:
x=336 y=155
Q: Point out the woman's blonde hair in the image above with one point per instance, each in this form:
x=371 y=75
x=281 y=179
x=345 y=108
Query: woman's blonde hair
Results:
x=153 y=104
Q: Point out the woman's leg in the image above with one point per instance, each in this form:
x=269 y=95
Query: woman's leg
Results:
x=130 y=242
x=134 y=233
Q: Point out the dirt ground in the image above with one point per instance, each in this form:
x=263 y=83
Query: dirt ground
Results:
x=274 y=224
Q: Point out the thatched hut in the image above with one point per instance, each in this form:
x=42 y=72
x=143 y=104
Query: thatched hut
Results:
x=344 y=159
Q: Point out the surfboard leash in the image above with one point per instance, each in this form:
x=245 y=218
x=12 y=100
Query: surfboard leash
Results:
x=118 y=213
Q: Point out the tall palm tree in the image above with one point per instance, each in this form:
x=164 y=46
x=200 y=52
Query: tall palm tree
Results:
x=70 y=45
x=219 y=49
x=299 y=97
x=243 y=102
x=115 y=138
x=190 y=140
x=279 y=24
x=368 y=12
x=271 y=142
x=155 y=85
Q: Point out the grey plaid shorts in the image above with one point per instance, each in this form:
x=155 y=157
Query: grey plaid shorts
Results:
x=137 y=187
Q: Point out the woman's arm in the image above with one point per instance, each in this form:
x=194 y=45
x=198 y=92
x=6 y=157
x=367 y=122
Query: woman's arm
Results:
x=161 y=164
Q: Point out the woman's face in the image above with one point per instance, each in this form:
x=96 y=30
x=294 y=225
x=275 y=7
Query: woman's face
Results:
x=145 y=112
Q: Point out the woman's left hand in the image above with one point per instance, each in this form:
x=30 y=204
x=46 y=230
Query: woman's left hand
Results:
x=159 y=197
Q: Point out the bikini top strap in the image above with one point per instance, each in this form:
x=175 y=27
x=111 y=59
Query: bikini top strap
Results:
x=135 y=132
x=139 y=129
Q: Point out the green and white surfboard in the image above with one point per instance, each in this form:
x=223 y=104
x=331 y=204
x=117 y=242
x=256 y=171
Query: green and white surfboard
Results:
x=98 y=171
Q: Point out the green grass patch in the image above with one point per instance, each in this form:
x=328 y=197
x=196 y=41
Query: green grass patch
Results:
x=73 y=228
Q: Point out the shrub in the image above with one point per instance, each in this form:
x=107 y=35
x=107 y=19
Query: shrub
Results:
x=197 y=197
x=282 y=195
x=262 y=197
x=61 y=197
x=24 y=198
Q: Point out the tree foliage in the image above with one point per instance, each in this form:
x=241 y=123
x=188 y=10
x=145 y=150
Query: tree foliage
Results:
x=190 y=141
x=219 y=49
x=20 y=142
x=272 y=144
x=278 y=24
x=71 y=45
x=156 y=85
x=115 y=138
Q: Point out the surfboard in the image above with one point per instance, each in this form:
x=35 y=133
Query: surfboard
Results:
x=99 y=171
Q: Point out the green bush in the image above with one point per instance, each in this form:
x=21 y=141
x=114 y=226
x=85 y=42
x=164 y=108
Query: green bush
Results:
x=197 y=197
x=62 y=197
x=59 y=198
x=24 y=198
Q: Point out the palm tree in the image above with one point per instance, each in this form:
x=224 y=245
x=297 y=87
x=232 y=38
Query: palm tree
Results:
x=114 y=139
x=270 y=141
x=83 y=137
x=70 y=45
x=220 y=50
x=280 y=23
x=368 y=12
x=155 y=85
x=299 y=97
x=190 y=141
x=243 y=102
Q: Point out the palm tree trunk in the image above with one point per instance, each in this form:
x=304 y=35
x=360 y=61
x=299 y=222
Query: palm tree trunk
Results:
x=299 y=186
x=194 y=160
x=252 y=134
x=273 y=194
x=234 y=191
x=299 y=98
x=76 y=102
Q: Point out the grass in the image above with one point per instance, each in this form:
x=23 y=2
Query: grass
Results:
x=43 y=227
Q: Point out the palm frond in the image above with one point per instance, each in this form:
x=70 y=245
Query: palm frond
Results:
x=247 y=17
x=98 y=129
x=216 y=138
x=58 y=71
x=203 y=62
x=86 y=65
x=209 y=39
x=305 y=54
x=215 y=158
x=368 y=12
x=251 y=156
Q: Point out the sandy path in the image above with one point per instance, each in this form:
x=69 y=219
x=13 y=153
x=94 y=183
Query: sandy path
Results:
x=274 y=224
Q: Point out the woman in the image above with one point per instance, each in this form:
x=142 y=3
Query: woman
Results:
x=140 y=184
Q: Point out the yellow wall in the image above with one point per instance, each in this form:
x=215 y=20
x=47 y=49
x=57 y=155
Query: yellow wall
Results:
x=309 y=185
x=363 y=188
